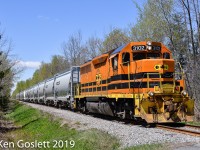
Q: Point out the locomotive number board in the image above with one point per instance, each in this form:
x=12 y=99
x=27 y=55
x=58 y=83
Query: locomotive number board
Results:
x=144 y=47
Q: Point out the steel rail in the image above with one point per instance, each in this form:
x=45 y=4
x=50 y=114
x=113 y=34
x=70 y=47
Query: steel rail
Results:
x=183 y=131
x=192 y=126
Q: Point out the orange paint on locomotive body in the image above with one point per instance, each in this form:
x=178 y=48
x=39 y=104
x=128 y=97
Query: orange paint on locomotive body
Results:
x=103 y=74
x=135 y=80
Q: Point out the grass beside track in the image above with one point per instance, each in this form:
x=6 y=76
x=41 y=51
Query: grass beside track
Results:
x=197 y=123
x=40 y=126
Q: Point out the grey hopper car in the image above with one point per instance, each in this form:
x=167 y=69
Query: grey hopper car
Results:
x=21 y=95
x=25 y=95
x=41 y=92
x=31 y=91
x=49 y=91
x=64 y=87
x=28 y=94
x=17 y=96
x=35 y=93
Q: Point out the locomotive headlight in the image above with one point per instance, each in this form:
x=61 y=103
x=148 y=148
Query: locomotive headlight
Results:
x=151 y=94
x=149 y=43
x=183 y=93
x=149 y=47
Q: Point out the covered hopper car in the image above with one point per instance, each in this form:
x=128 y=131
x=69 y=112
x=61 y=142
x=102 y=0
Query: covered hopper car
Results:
x=56 y=91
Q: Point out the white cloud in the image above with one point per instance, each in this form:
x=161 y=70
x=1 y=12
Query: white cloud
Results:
x=41 y=17
x=29 y=64
x=47 y=18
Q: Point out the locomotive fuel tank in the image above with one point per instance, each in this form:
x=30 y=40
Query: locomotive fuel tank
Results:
x=100 y=108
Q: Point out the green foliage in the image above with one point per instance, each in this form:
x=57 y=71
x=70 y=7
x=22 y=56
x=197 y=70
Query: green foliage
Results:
x=1 y=74
x=197 y=123
x=4 y=101
x=152 y=23
x=6 y=72
x=44 y=127
x=58 y=64
x=114 y=39
x=95 y=139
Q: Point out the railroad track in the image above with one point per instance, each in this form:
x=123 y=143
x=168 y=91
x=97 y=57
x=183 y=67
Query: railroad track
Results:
x=180 y=130
x=192 y=126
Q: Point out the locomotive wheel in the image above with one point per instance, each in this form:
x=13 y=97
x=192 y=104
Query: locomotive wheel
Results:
x=48 y=103
x=125 y=115
x=59 y=105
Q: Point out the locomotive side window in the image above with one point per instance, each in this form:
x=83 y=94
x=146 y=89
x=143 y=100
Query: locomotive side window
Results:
x=115 y=62
x=125 y=58
x=139 y=56
x=166 y=55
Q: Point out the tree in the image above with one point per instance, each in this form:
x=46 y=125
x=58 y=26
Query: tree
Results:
x=161 y=22
x=8 y=71
x=187 y=6
x=191 y=15
x=152 y=22
x=73 y=49
x=94 y=47
x=114 y=39
x=58 y=64
x=45 y=71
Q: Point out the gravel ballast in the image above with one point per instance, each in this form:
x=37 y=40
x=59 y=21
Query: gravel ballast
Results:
x=129 y=135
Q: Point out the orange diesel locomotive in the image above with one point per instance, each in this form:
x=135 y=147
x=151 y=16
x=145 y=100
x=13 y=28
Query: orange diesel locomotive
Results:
x=137 y=80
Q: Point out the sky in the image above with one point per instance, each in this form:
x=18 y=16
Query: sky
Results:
x=37 y=28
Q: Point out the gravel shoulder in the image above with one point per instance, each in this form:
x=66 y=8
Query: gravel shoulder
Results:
x=129 y=135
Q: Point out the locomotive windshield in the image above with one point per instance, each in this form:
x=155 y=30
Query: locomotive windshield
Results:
x=139 y=56
x=153 y=55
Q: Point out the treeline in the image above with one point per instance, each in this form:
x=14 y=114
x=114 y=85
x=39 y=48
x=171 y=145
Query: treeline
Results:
x=8 y=70
x=176 y=23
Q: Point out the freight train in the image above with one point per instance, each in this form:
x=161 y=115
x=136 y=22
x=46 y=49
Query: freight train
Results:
x=134 y=81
